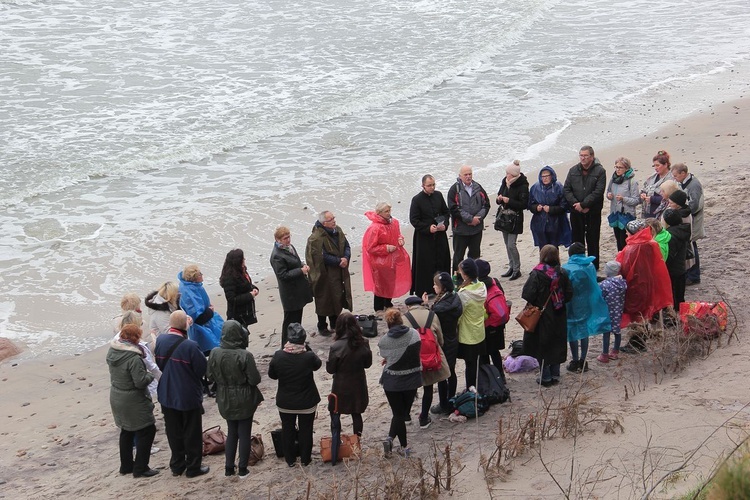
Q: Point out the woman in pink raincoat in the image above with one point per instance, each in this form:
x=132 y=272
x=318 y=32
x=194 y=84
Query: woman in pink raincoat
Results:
x=386 y=268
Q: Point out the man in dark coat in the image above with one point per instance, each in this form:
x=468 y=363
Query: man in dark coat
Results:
x=584 y=189
x=469 y=205
x=294 y=288
x=180 y=391
x=328 y=254
x=429 y=216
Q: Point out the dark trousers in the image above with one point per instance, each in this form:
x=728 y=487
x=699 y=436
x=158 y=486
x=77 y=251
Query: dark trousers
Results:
x=620 y=236
x=586 y=229
x=678 y=290
x=460 y=243
x=184 y=431
x=289 y=318
x=426 y=402
x=144 y=439
x=472 y=366
x=694 y=273
x=238 y=432
x=447 y=388
x=400 y=403
x=331 y=320
x=304 y=423
x=357 y=424
x=381 y=303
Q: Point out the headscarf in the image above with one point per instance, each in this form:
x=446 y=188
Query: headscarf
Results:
x=556 y=296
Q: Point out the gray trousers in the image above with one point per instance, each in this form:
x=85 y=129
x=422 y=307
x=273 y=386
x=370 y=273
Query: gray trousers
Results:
x=514 y=260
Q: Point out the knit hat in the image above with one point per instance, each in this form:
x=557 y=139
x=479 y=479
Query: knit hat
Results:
x=469 y=267
x=612 y=268
x=576 y=248
x=635 y=225
x=514 y=169
x=679 y=197
x=296 y=334
x=413 y=300
x=672 y=217
x=483 y=268
x=446 y=281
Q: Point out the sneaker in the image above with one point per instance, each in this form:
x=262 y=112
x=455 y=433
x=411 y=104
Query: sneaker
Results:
x=439 y=410
x=423 y=424
x=574 y=366
x=614 y=354
x=243 y=473
x=603 y=358
x=388 y=447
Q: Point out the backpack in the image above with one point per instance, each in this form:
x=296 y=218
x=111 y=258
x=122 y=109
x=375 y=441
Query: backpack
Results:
x=429 y=354
x=516 y=348
x=469 y=404
x=498 y=312
x=491 y=385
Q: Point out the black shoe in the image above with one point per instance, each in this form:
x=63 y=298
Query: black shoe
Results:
x=325 y=332
x=243 y=472
x=691 y=282
x=203 y=470
x=547 y=383
x=177 y=472
x=574 y=366
x=439 y=410
x=407 y=418
x=126 y=471
x=146 y=473
x=425 y=423
x=584 y=366
x=229 y=471
x=515 y=275
x=507 y=274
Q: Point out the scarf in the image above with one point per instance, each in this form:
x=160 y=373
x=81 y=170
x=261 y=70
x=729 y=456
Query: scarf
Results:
x=509 y=179
x=619 y=179
x=557 y=298
x=140 y=347
x=294 y=348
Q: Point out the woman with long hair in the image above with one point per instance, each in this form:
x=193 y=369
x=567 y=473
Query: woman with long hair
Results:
x=162 y=303
x=239 y=289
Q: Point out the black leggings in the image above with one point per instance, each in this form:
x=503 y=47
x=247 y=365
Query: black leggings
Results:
x=447 y=388
x=144 y=438
x=426 y=402
x=400 y=403
x=238 y=431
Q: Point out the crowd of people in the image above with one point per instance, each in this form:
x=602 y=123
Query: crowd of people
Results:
x=189 y=351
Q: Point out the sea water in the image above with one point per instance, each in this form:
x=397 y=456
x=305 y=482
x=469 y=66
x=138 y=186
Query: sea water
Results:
x=136 y=137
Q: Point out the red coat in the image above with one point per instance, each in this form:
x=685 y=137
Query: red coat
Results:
x=649 y=287
x=386 y=274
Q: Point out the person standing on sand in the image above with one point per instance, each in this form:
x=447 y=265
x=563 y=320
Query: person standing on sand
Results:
x=292 y=276
x=429 y=216
x=549 y=224
x=182 y=365
x=624 y=197
x=692 y=186
x=513 y=196
x=469 y=205
x=584 y=190
x=162 y=303
x=328 y=254
x=239 y=289
x=651 y=191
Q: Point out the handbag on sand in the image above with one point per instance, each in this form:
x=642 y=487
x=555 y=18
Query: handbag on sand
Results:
x=528 y=318
x=368 y=324
x=257 y=449
x=214 y=440
x=348 y=447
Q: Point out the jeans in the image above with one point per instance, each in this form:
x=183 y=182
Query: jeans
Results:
x=238 y=431
x=514 y=260
x=605 y=342
x=461 y=243
x=584 y=349
x=400 y=403
x=549 y=372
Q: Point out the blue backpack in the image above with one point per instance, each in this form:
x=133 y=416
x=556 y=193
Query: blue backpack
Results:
x=469 y=404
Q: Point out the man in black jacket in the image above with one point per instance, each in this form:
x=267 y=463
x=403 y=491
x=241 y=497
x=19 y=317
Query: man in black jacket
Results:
x=584 y=189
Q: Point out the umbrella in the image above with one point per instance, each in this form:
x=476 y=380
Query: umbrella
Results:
x=619 y=219
x=333 y=407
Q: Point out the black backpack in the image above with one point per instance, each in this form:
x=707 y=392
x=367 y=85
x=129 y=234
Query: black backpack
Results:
x=491 y=385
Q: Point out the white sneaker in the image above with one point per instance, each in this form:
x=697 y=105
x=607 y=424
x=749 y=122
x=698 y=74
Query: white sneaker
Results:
x=155 y=449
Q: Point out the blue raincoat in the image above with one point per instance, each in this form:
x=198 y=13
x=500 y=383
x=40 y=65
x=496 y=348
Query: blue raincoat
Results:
x=194 y=301
x=587 y=312
x=551 y=228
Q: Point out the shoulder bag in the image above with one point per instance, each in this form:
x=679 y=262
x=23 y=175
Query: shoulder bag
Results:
x=528 y=318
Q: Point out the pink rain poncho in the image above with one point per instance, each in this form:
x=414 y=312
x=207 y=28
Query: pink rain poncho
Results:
x=386 y=274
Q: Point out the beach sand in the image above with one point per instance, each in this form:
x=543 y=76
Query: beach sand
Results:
x=59 y=439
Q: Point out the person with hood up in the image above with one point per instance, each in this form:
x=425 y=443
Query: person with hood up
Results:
x=131 y=404
x=233 y=369
x=448 y=308
x=297 y=396
x=678 y=245
x=613 y=291
x=328 y=254
x=547 y=203
x=162 y=303
x=386 y=269
x=206 y=325
x=239 y=289
x=587 y=313
x=623 y=195
x=471 y=337
x=402 y=376
x=513 y=195
x=584 y=190
x=469 y=205
x=548 y=284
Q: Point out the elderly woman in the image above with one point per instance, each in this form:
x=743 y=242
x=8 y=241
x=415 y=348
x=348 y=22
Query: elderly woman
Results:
x=651 y=196
x=348 y=359
x=623 y=195
x=548 y=287
x=666 y=190
x=297 y=395
x=233 y=369
x=239 y=289
x=386 y=269
x=291 y=274
x=471 y=336
x=162 y=303
x=513 y=197
x=131 y=405
x=547 y=203
x=206 y=327
x=402 y=375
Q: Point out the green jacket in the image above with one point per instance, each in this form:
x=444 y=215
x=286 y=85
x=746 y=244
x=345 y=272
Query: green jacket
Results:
x=233 y=369
x=128 y=395
x=662 y=238
x=471 y=322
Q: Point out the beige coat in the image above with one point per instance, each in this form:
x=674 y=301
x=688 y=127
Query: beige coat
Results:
x=420 y=314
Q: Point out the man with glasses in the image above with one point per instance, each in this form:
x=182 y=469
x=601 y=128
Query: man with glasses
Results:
x=328 y=254
x=429 y=216
x=584 y=190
